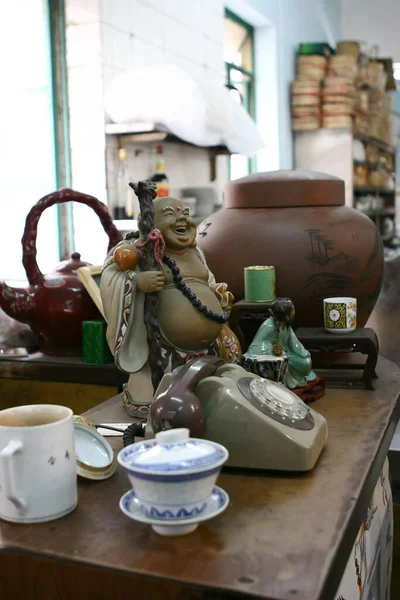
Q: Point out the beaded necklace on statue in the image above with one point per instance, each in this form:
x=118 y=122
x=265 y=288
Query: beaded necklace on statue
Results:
x=191 y=296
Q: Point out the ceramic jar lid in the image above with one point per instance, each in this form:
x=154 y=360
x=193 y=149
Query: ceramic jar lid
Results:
x=172 y=452
x=94 y=455
x=284 y=188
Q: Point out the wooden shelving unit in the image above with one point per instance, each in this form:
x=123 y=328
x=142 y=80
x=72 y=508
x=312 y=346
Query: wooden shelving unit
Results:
x=374 y=142
x=372 y=189
x=331 y=151
x=384 y=212
x=369 y=165
x=379 y=215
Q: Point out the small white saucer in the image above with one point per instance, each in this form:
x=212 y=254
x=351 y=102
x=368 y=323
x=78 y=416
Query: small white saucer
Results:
x=216 y=504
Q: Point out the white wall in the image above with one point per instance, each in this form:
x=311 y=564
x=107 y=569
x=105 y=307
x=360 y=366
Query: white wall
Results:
x=86 y=116
x=299 y=21
x=375 y=23
x=286 y=24
x=108 y=37
x=141 y=33
x=138 y=33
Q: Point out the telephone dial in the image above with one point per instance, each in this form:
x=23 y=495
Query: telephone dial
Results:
x=262 y=424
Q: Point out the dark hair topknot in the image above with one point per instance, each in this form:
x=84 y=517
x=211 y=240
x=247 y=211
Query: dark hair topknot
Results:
x=281 y=309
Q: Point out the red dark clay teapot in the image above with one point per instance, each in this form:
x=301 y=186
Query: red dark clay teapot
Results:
x=55 y=305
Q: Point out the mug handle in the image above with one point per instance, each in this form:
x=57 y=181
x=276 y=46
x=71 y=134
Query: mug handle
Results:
x=7 y=459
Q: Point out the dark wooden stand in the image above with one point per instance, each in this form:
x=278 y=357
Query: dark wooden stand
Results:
x=246 y=317
x=319 y=341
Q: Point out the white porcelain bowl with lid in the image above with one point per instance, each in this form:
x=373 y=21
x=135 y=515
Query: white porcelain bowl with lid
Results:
x=173 y=475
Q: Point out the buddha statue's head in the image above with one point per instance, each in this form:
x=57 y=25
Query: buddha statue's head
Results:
x=173 y=219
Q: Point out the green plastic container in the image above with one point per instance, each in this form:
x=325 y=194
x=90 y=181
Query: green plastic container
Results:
x=321 y=48
x=94 y=343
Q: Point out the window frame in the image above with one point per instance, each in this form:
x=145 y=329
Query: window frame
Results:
x=249 y=101
x=62 y=158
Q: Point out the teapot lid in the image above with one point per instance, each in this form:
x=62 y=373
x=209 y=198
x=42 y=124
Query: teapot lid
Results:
x=172 y=451
x=278 y=189
x=72 y=264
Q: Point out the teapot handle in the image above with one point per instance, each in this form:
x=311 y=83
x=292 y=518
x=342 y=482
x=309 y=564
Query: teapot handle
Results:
x=33 y=273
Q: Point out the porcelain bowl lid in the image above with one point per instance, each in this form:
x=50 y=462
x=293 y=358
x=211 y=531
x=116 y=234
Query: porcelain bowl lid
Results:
x=173 y=451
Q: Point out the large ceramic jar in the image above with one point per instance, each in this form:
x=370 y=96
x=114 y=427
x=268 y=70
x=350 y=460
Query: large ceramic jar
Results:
x=296 y=221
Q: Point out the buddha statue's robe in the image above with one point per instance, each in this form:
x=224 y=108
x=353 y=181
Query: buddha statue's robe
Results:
x=123 y=306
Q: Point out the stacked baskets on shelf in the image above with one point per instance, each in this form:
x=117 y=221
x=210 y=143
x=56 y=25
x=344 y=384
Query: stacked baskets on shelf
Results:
x=346 y=90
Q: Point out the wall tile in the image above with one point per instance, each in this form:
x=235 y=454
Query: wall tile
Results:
x=83 y=44
x=198 y=18
x=148 y=24
x=198 y=71
x=82 y=11
x=146 y=54
x=185 y=12
x=182 y=62
x=85 y=94
x=192 y=46
x=219 y=7
x=84 y=127
x=172 y=35
x=174 y=8
x=214 y=75
x=184 y=32
x=216 y=6
x=116 y=48
x=85 y=84
x=214 y=27
x=86 y=162
x=120 y=14
x=90 y=239
x=157 y=4
x=214 y=54
x=109 y=73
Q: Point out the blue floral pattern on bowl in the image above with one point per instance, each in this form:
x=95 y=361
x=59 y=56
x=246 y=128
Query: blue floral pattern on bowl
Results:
x=182 y=513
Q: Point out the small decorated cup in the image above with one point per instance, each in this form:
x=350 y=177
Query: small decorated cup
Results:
x=340 y=314
x=173 y=475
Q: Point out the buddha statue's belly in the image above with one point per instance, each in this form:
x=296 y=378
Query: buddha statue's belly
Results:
x=182 y=324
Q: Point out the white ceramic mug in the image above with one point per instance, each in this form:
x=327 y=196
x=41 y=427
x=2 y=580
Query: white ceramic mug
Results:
x=38 y=480
x=340 y=314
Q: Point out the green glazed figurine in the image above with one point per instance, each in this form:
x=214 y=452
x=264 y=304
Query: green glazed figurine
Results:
x=276 y=338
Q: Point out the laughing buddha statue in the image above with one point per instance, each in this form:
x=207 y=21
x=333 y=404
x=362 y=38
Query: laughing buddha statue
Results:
x=192 y=308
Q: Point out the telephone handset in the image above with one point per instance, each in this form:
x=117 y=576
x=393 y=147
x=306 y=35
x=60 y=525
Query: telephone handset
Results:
x=175 y=402
x=262 y=424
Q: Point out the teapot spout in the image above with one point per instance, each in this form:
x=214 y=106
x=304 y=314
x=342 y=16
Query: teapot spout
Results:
x=17 y=303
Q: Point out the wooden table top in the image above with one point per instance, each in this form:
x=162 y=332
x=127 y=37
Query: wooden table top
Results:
x=283 y=537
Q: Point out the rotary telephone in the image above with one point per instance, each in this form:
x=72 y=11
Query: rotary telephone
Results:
x=262 y=424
